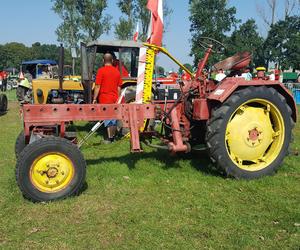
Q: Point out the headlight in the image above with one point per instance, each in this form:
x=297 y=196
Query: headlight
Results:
x=54 y=93
x=39 y=92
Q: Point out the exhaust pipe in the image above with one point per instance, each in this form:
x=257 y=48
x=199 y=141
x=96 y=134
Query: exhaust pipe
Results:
x=61 y=66
x=86 y=73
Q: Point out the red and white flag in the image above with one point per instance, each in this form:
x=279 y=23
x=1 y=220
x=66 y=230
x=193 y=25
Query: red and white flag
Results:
x=136 y=33
x=156 y=27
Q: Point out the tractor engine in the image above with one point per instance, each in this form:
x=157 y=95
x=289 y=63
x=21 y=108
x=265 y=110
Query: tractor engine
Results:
x=65 y=96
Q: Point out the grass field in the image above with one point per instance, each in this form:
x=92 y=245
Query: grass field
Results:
x=151 y=201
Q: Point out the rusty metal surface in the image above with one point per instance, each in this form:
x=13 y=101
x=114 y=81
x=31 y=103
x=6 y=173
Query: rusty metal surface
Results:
x=57 y=113
x=236 y=62
x=200 y=109
x=229 y=85
x=177 y=145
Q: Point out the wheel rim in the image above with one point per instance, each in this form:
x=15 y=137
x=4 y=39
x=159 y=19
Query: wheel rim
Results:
x=51 y=172
x=255 y=134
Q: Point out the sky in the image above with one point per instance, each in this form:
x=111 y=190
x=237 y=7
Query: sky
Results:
x=33 y=21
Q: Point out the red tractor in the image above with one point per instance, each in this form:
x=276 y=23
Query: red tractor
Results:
x=245 y=125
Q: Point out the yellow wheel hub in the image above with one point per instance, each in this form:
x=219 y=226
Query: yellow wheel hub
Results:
x=255 y=135
x=51 y=172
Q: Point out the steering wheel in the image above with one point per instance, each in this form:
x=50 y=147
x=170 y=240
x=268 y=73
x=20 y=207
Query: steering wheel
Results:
x=208 y=42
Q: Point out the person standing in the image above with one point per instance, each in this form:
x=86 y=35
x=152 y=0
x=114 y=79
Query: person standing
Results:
x=185 y=76
x=277 y=72
x=107 y=90
x=247 y=74
x=1 y=80
x=220 y=76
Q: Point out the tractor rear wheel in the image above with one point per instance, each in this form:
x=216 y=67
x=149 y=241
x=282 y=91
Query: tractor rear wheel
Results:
x=50 y=169
x=248 y=135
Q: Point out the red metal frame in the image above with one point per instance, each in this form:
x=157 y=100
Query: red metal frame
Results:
x=133 y=115
x=229 y=85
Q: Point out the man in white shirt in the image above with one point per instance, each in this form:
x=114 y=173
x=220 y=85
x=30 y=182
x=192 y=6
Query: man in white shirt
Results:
x=247 y=75
x=220 y=76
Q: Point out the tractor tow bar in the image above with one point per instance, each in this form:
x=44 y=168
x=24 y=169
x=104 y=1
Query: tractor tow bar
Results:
x=99 y=123
x=92 y=131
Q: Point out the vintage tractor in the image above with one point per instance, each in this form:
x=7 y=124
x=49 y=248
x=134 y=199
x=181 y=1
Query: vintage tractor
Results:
x=40 y=84
x=245 y=125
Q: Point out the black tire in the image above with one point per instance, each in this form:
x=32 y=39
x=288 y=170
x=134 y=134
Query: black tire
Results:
x=219 y=148
x=20 y=144
x=39 y=149
x=3 y=103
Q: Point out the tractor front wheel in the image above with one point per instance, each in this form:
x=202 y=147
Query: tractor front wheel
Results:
x=248 y=135
x=50 y=169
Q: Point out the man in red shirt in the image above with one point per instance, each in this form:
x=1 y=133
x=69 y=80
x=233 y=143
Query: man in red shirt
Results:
x=116 y=64
x=185 y=76
x=107 y=90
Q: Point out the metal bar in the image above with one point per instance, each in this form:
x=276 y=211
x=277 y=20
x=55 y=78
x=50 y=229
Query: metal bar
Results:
x=52 y=113
x=99 y=124
x=177 y=145
x=166 y=52
x=135 y=124
x=61 y=67
x=93 y=130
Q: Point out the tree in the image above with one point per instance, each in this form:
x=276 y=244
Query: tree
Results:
x=124 y=29
x=283 y=43
x=161 y=71
x=271 y=6
x=48 y=51
x=12 y=54
x=136 y=11
x=82 y=19
x=213 y=20
x=93 y=21
x=188 y=66
x=247 y=38
x=68 y=32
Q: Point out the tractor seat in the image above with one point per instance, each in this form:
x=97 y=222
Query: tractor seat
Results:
x=236 y=62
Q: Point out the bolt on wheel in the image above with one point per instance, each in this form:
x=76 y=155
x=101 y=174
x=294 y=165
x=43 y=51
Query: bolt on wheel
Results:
x=254 y=134
x=51 y=172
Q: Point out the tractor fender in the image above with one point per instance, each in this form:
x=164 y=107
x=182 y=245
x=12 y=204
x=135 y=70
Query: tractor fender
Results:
x=229 y=85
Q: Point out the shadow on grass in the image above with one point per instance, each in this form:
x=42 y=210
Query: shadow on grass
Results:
x=3 y=112
x=86 y=127
x=198 y=160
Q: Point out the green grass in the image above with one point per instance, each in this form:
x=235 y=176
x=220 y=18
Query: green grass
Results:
x=150 y=201
x=11 y=95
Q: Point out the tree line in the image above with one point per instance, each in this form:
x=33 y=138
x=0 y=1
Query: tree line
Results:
x=218 y=20
x=12 y=54
x=86 y=20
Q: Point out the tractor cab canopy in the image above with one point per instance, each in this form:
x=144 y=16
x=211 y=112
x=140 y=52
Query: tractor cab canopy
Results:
x=126 y=59
x=125 y=55
x=38 y=67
